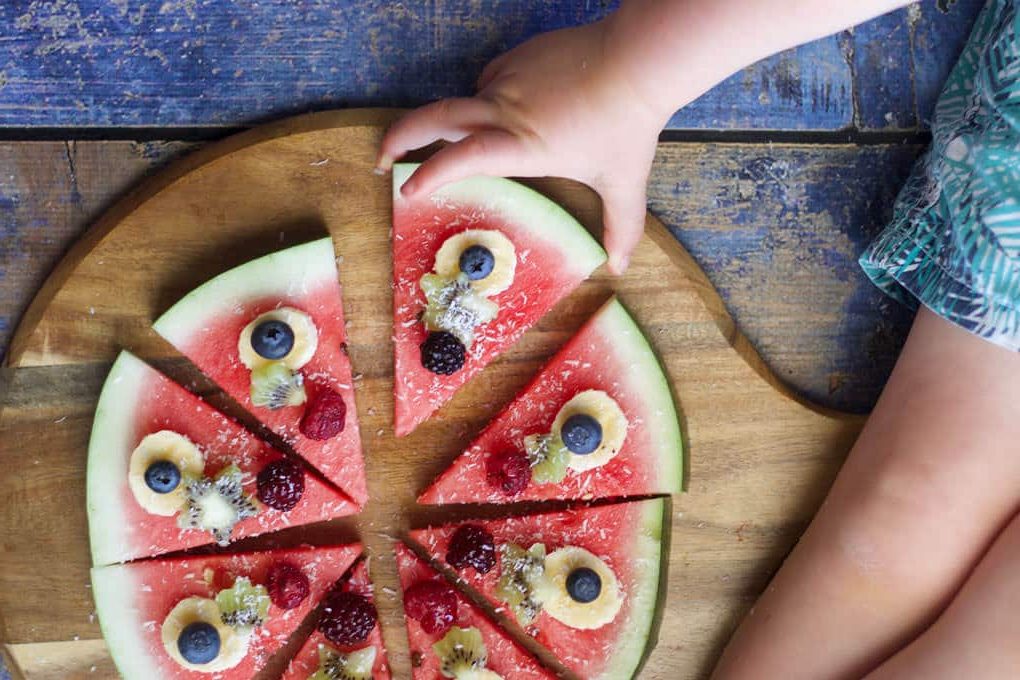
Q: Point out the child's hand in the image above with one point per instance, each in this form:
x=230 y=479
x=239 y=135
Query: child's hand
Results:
x=555 y=105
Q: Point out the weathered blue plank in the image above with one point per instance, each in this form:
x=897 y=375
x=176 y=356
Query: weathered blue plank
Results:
x=230 y=62
x=935 y=46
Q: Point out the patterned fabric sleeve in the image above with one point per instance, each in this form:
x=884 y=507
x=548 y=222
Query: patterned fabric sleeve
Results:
x=954 y=241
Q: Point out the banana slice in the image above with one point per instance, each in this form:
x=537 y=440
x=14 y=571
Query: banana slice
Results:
x=232 y=645
x=169 y=447
x=609 y=415
x=503 y=252
x=306 y=339
x=592 y=606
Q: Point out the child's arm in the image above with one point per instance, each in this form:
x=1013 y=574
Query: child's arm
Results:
x=588 y=103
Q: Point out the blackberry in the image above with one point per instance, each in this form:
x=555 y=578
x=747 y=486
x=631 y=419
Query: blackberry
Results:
x=472 y=546
x=281 y=484
x=347 y=619
x=443 y=353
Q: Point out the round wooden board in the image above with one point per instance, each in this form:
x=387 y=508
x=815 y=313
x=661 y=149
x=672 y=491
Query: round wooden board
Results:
x=759 y=459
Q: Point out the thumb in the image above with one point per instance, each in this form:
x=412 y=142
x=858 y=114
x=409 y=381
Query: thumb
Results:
x=623 y=217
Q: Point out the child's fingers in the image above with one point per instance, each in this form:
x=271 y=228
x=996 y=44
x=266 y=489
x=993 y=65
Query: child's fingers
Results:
x=491 y=152
x=623 y=217
x=491 y=70
x=449 y=119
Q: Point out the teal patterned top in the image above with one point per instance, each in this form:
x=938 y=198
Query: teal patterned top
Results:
x=954 y=241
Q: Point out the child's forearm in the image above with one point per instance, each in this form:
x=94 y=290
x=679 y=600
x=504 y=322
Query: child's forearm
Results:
x=675 y=50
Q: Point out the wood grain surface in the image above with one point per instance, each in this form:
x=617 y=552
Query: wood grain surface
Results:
x=760 y=460
x=228 y=62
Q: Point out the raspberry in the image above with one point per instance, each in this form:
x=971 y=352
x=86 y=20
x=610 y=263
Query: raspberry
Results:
x=287 y=585
x=325 y=415
x=281 y=484
x=509 y=471
x=432 y=604
x=472 y=546
x=347 y=618
x=442 y=353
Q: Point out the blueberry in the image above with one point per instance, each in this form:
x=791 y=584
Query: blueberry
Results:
x=477 y=262
x=581 y=433
x=162 y=476
x=583 y=585
x=272 y=339
x=199 y=643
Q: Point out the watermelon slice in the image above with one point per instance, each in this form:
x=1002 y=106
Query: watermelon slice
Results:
x=137 y=401
x=505 y=656
x=133 y=601
x=306 y=662
x=554 y=254
x=627 y=537
x=609 y=354
x=206 y=324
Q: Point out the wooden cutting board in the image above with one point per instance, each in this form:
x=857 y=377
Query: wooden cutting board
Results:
x=760 y=461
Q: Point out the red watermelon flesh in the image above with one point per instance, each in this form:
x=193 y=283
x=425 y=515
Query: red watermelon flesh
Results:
x=610 y=354
x=627 y=536
x=554 y=255
x=505 y=656
x=138 y=400
x=306 y=662
x=132 y=601
x=206 y=323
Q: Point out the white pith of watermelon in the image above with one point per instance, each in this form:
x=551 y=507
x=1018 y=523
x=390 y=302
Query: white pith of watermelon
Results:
x=554 y=255
x=132 y=601
x=610 y=354
x=505 y=656
x=306 y=661
x=627 y=536
x=138 y=400
x=206 y=323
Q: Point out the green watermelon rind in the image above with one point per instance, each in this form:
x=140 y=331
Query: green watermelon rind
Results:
x=292 y=270
x=524 y=207
x=650 y=551
x=649 y=380
x=112 y=430
x=113 y=590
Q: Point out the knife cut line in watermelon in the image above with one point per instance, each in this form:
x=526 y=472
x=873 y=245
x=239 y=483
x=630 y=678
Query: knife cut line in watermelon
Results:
x=205 y=326
x=628 y=537
x=136 y=401
x=554 y=254
x=133 y=601
x=609 y=353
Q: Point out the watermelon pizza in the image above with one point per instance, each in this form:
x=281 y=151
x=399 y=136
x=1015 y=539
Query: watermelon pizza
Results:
x=168 y=472
x=475 y=265
x=221 y=616
x=271 y=334
x=347 y=642
x=450 y=637
x=598 y=421
x=584 y=582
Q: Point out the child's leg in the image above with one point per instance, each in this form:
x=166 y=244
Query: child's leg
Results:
x=928 y=485
x=978 y=637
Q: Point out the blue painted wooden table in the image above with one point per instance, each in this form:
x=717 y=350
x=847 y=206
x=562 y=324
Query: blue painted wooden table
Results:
x=775 y=180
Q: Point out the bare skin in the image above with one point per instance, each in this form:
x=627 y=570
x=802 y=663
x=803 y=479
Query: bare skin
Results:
x=928 y=485
x=933 y=478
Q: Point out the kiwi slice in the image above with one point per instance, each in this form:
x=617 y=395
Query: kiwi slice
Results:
x=217 y=504
x=461 y=651
x=274 y=386
x=454 y=307
x=548 y=456
x=334 y=665
x=243 y=606
x=521 y=572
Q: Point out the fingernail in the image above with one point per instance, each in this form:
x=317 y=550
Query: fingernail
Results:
x=409 y=188
x=383 y=164
x=377 y=170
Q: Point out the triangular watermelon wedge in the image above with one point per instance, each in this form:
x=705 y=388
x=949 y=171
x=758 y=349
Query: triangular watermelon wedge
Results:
x=206 y=325
x=138 y=401
x=306 y=661
x=608 y=354
x=627 y=537
x=134 y=601
x=554 y=254
x=505 y=656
